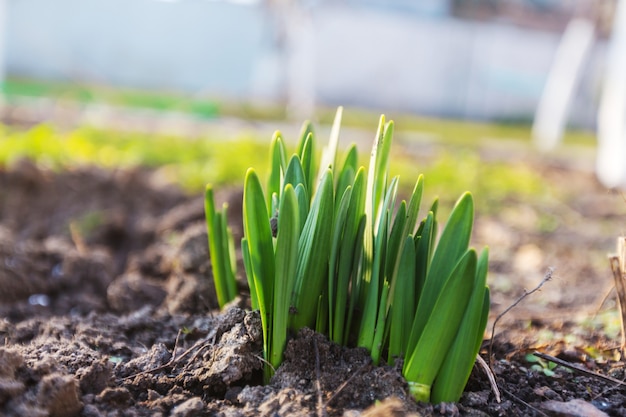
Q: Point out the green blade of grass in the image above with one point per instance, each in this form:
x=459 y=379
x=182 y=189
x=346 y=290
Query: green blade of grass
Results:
x=306 y=152
x=218 y=240
x=455 y=237
x=403 y=305
x=442 y=324
x=260 y=249
x=371 y=207
x=423 y=250
x=379 y=332
x=313 y=255
x=482 y=270
x=305 y=131
x=414 y=206
x=382 y=167
x=395 y=247
x=308 y=163
x=228 y=255
x=452 y=245
x=247 y=264
x=334 y=279
x=278 y=158
x=350 y=165
x=456 y=369
x=372 y=290
x=329 y=153
x=321 y=319
x=406 y=218
x=350 y=252
x=303 y=205
x=404 y=225
x=355 y=280
x=378 y=270
x=295 y=174
x=346 y=178
x=286 y=257
x=483 y=318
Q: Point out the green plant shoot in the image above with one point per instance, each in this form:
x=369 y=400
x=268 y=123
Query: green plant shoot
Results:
x=333 y=248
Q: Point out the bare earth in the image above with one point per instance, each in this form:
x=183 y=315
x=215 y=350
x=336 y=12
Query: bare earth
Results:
x=107 y=309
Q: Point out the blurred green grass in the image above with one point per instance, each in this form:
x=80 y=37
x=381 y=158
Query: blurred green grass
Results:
x=450 y=131
x=15 y=89
x=453 y=167
x=189 y=162
x=193 y=162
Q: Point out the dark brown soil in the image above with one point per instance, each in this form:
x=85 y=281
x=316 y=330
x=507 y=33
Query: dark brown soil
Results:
x=107 y=309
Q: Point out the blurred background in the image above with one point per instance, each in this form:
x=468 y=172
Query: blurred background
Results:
x=464 y=59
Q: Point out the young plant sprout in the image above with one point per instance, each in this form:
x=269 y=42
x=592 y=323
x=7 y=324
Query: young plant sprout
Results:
x=330 y=247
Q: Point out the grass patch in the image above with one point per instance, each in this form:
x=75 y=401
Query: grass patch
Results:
x=16 y=88
x=192 y=162
x=447 y=130
x=188 y=162
x=454 y=170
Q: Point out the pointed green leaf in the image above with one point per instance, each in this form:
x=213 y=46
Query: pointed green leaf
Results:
x=286 y=258
x=442 y=324
x=414 y=206
x=350 y=252
x=308 y=162
x=348 y=170
x=258 y=236
x=372 y=289
x=379 y=332
x=228 y=255
x=403 y=304
x=313 y=255
x=305 y=131
x=329 y=153
x=457 y=367
x=334 y=280
x=278 y=158
x=303 y=204
x=306 y=152
x=219 y=252
x=295 y=173
x=452 y=245
x=247 y=264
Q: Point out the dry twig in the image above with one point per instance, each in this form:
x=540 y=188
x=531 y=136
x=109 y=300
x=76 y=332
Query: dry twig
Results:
x=199 y=345
x=77 y=238
x=602 y=302
x=524 y=403
x=547 y=277
x=578 y=368
x=618 y=266
x=346 y=382
x=490 y=376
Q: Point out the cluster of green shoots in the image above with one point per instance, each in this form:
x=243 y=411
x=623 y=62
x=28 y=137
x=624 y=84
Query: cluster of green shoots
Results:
x=332 y=249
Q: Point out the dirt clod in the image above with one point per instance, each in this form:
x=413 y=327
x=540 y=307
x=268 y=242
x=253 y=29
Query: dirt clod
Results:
x=193 y=407
x=60 y=395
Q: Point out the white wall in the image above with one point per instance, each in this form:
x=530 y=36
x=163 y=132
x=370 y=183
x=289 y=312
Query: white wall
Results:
x=189 y=45
x=361 y=56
